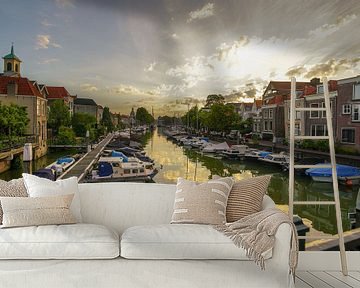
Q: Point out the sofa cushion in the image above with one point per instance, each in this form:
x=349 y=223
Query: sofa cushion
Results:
x=13 y=188
x=203 y=203
x=246 y=197
x=41 y=187
x=73 y=241
x=181 y=241
x=27 y=211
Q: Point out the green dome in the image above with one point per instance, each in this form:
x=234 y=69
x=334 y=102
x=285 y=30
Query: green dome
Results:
x=12 y=55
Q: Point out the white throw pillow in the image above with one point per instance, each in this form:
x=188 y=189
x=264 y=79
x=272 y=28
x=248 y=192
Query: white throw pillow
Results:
x=41 y=187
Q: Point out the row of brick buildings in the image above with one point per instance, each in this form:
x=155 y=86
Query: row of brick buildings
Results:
x=37 y=98
x=271 y=114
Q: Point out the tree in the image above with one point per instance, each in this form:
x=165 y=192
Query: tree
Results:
x=82 y=122
x=59 y=115
x=143 y=116
x=13 y=120
x=106 y=120
x=222 y=117
x=66 y=136
x=214 y=99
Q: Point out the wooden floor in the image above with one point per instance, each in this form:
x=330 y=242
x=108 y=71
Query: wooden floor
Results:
x=321 y=269
x=320 y=279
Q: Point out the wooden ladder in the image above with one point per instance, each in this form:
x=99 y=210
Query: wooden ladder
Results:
x=292 y=167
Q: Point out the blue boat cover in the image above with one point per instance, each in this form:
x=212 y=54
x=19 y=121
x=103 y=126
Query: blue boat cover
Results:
x=119 y=154
x=341 y=170
x=105 y=169
x=64 y=160
x=263 y=154
x=46 y=173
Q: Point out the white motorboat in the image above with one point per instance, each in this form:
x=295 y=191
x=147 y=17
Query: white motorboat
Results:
x=278 y=159
x=235 y=151
x=254 y=154
x=61 y=164
x=115 y=168
x=216 y=148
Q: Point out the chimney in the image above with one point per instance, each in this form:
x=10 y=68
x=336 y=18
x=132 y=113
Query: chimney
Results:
x=12 y=88
x=315 y=81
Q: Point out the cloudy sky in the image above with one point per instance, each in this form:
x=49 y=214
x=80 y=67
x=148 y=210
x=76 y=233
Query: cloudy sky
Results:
x=167 y=53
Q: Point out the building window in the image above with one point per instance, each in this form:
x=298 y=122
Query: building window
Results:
x=270 y=113
x=16 y=68
x=323 y=113
x=297 y=129
x=356 y=113
x=348 y=135
x=8 y=66
x=320 y=89
x=265 y=125
x=318 y=130
x=270 y=125
x=266 y=113
x=38 y=107
x=356 y=94
x=314 y=114
x=346 y=109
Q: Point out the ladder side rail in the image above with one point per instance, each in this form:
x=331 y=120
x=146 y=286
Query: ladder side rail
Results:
x=292 y=148
x=334 y=177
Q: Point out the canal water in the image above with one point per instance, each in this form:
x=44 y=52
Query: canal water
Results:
x=30 y=167
x=177 y=161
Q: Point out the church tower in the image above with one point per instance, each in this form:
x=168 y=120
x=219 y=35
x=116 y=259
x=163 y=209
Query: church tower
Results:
x=11 y=64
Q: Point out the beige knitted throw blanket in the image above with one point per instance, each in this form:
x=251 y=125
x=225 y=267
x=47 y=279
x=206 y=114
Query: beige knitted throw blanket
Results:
x=256 y=234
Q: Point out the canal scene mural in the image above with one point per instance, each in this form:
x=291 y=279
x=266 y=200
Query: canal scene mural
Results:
x=193 y=99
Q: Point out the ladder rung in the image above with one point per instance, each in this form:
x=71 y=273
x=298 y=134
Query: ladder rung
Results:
x=312 y=166
x=311 y=137
x=319 y=237
x=310 y=109
x=314 y=202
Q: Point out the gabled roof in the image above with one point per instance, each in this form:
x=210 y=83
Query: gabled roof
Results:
x=258 y=103
x=85 y=101
x=25 y=86
x=284 y=87
x=57 y=92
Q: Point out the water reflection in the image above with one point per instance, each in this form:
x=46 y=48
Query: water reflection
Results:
x=190 y=164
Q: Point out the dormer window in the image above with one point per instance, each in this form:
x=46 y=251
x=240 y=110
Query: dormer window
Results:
x=320 y=89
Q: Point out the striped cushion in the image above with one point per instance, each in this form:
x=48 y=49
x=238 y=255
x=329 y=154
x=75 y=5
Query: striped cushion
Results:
x=203 y=203
x=246 y=197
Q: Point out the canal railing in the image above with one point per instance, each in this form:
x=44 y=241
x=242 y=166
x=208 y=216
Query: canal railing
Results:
x=84 y=164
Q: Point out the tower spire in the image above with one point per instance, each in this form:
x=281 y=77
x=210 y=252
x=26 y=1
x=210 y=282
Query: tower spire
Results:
x=12 y=47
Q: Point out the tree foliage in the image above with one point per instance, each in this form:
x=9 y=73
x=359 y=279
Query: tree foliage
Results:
x=59 y=115
x=143 y=117
x=82 y=122
x=66 y=136
x=214 y=99
x=13 y=120
x=106 y=120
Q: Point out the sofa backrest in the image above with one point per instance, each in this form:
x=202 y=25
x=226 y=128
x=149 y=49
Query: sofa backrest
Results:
x=121 y=205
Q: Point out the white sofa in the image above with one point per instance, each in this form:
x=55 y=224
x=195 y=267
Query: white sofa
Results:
x=119 y=206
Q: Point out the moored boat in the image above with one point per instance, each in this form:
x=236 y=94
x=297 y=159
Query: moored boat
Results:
x=277 y=159
x=254 y=154
x=235 y=151
x=114 y=168
x=61 y=164
x=345 y=174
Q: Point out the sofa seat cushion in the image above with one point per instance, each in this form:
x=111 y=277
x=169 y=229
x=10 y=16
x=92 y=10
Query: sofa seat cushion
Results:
x=74 y=241
x=180 y=241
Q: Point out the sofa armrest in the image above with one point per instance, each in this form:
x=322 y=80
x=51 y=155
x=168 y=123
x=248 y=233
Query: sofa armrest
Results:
x=279 y=263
